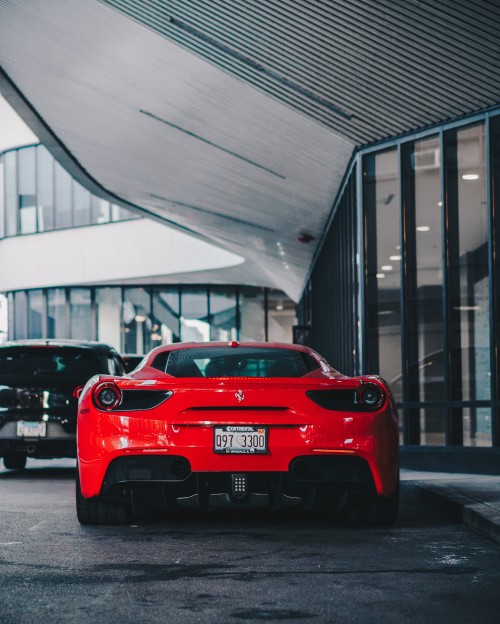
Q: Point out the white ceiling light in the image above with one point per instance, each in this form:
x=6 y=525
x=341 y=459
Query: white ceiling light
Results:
x=423 y=228
x=394 y=258
x=386 y=267
x=470 y=176
x=380 y=275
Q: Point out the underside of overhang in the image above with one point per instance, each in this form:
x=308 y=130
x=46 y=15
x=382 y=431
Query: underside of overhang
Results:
x=235 y=121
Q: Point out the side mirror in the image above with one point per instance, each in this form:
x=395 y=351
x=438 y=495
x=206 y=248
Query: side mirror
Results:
x=77 y=392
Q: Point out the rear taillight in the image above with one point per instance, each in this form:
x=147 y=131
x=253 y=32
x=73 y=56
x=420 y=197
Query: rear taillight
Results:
x=106 y=396
x=370 y=395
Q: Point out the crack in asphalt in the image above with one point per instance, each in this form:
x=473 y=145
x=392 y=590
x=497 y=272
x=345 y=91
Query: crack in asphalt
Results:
x=150 y=573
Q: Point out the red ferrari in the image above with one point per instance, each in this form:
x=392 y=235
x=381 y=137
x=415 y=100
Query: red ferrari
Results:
x=238 y=425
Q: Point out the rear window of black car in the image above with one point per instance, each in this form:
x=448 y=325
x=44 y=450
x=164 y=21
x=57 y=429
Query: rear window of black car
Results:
x=235 y=362
x=48 y=361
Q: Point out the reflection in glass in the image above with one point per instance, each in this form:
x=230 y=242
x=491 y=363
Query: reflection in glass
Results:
x=223 y=314
x=57 y=317
x=469 y=278
x=45 y=189
x=425 y=342
x=63 y=197
x=281 y=317
x=108 y=316
x=82 y=210
x=21 y=315
x=27 y=190
x=81 y=314
x=194 y=315
x=10 y=193
x=136 y=317
x=101 y=212
x=36 y=314
x=166 y=322
x=2 y=199
x=252 y=314
x=382 y=218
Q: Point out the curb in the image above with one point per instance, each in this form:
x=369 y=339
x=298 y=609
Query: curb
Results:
x=479 y=517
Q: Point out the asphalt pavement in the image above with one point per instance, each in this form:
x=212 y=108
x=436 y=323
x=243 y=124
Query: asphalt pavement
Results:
x=472 y=499
x=205 y=568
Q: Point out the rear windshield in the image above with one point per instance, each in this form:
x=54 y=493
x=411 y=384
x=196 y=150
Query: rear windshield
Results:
x=239 y=362
x=52 y=361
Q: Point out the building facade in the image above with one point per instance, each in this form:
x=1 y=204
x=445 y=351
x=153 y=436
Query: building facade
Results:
x=406 y=283
x=38 y=198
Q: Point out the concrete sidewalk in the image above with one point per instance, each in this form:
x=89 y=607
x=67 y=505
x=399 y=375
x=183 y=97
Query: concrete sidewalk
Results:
x=471 y=499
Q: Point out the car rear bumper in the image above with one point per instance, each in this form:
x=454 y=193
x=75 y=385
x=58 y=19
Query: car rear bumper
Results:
x=168 y=482
x=56 y=443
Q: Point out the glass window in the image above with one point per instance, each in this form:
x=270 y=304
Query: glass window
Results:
x=382 y=224
x=223 y=314
x=57 y=316
x=45 y=189
x=424 y=294
x=240 y=362
x=4 y=316
x=11 y=209
x=281 y=317
x=82 y=209
x=20 y=315
x=36 y=314
x=470 y=375
x=2 y=198
x=137 y=323
x=166 y=321
x=252 y=314
x=108 y=303
x=63 y=198
x=122 y=214
x=101 y=211
x=27 y=190
x=195 y=325
x=495 y=171
x=114 y=365
x=51 y=361
x=81 y=320
x=11 y=314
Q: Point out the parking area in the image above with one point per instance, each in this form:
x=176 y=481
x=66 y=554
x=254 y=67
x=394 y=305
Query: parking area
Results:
x=234 y=567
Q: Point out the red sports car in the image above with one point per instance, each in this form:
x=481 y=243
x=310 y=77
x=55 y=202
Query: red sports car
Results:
x=238 y=425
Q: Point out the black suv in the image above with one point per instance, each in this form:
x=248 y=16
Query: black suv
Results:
x=38 y=407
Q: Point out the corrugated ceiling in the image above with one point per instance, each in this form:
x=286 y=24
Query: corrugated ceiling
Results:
x=235 y=120
x=368 y=69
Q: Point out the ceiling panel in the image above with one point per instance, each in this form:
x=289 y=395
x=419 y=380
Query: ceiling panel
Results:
x=235 y=121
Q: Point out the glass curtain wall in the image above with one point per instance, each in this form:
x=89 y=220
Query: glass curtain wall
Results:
x=38 y=195
x=423 y=288
x=432 y=281
x=134 y=320
x=468 y=283
x=223 y=312
x=383 y=257
x=166 y=317
x=195 y=325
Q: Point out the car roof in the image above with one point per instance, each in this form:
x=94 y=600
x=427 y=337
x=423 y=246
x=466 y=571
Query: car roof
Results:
x=60 y=343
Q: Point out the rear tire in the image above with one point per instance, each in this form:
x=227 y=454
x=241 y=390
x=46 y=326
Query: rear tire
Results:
x=95 y=511
x=14 y=461
x=380 y=512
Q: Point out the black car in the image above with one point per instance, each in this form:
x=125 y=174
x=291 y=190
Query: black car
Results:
x=38 y=403
x=132 y=361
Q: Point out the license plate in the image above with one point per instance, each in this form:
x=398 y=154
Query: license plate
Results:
x=26 y=429
x=240 y=440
